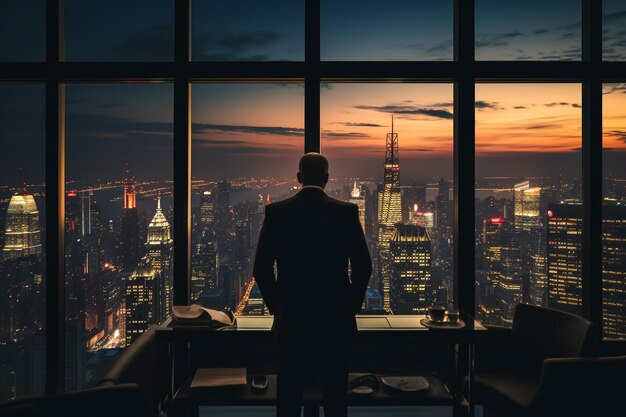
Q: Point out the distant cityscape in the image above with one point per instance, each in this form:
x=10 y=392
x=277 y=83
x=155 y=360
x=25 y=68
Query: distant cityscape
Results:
x=119 y=255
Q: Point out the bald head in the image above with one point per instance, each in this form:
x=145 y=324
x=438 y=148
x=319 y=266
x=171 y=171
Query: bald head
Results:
x=313 y=169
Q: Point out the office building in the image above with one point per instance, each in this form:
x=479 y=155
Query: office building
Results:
x=564 y=257
x=22 y=234
x=411 y=281
x=357 y=198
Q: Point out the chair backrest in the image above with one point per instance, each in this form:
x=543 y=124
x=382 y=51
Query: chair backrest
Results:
x=139 y=365
x=541 y=333
x=582 y=387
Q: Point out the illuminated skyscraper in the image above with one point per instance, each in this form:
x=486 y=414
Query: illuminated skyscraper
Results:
x=564 y=257
x=204 y=264
x=207 y=209
x=491 y=249
x=526 y=206
x=22 y=232
x=411 y=285
x=359 y=200
x=614 y=271
x=141 y=304
x=389 y=210
x=159 y=249
x=537 y=274
x=130 y=241
x=443 y=208
x=508 y=287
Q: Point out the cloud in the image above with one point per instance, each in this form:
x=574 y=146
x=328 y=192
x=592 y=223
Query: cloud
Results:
x=519 y=107
x=613 y=17
x=481 y=104
x=614 y=88
x=618 y=134
x=540 y=31
x=257 y=130
x=410 y=110
x=417 y=150
x=542 y=126
x=497 y=39
x=238 y=46
x=220 y=142
x=361 y=124
x=154 y=42
x=330 y=134
x=563 y=103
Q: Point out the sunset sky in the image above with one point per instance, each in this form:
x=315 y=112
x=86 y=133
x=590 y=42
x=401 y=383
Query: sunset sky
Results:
x=257 y=129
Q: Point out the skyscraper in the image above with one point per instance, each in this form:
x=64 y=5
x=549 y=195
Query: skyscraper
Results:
x=526 y=206
x=614 y=271
x=564 y=257
x=411 y=284
x=508 y=289
x=537 y=274
x=207 y=209
x=130 y=241
x=389 y=210
x=359 y=200
x=22 y=232
x=443 y=208
x=159 y=249
x=141 y=303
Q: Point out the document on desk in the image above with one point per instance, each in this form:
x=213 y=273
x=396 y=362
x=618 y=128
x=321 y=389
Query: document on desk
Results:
x=218 y=377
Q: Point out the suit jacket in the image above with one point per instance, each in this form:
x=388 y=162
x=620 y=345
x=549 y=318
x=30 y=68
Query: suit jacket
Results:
x=312 y=238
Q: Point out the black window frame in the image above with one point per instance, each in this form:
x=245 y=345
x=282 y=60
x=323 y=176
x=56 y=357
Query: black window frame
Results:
x=463 y=71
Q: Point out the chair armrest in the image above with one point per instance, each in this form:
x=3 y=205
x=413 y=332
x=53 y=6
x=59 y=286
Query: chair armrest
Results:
x=581 y=385
x=125 y=400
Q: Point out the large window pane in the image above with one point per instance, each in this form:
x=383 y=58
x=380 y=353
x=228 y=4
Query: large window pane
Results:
x=528 y=198
x=614 y=30
x=614 y=212
x=390 y=152
x=22 y=238
x=120 y=30
x=22 y=30
x=247 y=140
x=248 y=30
x=118 y=221
x=384 y=30
x=531 y=30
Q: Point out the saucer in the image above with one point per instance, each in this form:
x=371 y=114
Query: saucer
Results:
x=445 y=324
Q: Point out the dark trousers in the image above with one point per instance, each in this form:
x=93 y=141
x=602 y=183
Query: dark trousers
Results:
x=332 y=363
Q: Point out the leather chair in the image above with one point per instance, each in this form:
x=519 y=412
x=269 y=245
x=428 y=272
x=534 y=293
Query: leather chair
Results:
x=516 y=368
x=140 y=364
x=126 y=400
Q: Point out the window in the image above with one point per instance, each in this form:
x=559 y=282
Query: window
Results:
x=614 y=212
x=189 y=112
x=535 y=30
x=528 y=198
x=118 y=221
x=379 y=30
x=390 y=151
x=22 y=237
x=247 y=139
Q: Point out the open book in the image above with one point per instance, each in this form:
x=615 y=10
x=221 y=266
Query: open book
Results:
x=195 y=314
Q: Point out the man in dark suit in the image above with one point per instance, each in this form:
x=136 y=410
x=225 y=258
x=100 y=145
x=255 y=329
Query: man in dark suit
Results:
x=312 y=238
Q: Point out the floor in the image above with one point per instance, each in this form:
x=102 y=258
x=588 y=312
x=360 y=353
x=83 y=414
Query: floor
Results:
x=352 y=412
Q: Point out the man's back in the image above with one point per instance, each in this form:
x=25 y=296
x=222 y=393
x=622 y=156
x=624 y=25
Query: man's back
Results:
x=312 y=238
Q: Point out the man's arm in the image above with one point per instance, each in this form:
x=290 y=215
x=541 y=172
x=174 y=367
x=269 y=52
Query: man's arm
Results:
x=360 y=261
x=264 y=262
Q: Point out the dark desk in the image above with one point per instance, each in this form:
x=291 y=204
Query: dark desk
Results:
x=372 y=330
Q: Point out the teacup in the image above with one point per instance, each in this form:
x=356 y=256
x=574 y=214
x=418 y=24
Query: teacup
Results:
x=453 y=316
x=437 y=313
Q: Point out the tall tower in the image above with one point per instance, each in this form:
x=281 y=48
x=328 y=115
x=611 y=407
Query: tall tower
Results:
x=207 y=209
x=130 y=248
x=526 y=206
x=159 y=247
x=564 y=257
x=359 y=200
x=411 y=283
x=389 y=210
x=22 y=229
